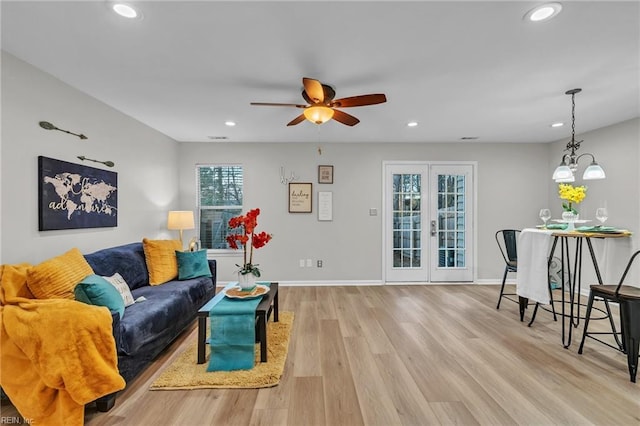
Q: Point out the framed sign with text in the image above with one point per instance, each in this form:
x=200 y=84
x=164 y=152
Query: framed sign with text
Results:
x=300 y=197
x=72 y=196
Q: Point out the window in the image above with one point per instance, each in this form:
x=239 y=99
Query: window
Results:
x=219 y=199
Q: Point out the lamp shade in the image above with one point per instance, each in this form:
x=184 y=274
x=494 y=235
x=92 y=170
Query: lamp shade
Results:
x=563 y=172
x=318 y=114
x=594 y=171
x=180 y=219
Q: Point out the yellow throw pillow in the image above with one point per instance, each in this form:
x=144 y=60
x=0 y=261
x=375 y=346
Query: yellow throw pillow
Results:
x=57 y=277
x=160 y=256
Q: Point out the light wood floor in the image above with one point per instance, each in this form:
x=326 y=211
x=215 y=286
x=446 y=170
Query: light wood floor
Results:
x=405 y=355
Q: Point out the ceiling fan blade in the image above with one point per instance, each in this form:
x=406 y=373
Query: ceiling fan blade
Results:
x=345 y=118
x=362 y=100
x=314 y=90
x=277 y=104
x=299 y=119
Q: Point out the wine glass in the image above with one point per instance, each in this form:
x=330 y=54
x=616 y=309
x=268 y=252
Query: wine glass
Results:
x=602 y=215
x=545 y=215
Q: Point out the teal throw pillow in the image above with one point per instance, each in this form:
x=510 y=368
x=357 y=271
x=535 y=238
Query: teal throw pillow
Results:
x=95 y=290
x=192 y=264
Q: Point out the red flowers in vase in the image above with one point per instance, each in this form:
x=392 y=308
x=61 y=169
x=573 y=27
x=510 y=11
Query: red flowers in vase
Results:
x=247 y=237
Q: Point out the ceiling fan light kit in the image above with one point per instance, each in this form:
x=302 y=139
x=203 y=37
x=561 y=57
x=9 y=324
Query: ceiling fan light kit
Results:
x=321 y=106
x=318 y=114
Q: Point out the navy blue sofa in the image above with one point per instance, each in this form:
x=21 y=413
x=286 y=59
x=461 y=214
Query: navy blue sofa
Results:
x=149 y=326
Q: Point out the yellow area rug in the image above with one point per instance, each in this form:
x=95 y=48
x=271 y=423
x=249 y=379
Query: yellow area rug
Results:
x=185 y=373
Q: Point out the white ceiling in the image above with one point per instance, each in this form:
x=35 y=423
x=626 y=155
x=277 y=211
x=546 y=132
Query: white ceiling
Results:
x=461 y=69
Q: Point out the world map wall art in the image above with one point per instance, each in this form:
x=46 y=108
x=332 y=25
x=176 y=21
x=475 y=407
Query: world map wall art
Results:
x=75 y=196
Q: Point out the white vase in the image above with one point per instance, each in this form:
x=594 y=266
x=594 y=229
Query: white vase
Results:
x=570 y=218
x=246 y=281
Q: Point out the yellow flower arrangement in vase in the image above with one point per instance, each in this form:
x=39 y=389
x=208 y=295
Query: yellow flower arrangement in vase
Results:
x=572 y=194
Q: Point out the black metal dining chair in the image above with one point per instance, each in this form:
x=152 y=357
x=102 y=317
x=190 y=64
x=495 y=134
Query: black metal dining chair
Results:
x=507 y=240
x=629 y=299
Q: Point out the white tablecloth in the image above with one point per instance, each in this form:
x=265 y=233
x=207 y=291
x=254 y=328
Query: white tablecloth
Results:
x=612 y=255
x=533 y=254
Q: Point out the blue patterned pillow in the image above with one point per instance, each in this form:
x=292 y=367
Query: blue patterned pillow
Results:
x=95 y=290
x=192 y=264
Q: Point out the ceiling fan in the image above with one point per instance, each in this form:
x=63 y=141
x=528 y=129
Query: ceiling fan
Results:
x=321 y=106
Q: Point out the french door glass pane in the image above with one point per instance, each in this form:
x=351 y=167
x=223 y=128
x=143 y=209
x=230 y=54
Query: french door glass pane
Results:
x=451 y=221
x=407 y=220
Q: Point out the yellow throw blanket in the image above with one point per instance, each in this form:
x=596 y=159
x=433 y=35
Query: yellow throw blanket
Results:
x=56 y=355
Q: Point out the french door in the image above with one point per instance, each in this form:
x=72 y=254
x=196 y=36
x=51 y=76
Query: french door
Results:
x=428 y=222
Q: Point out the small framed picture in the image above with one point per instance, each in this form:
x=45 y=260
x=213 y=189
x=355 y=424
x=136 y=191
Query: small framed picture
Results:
x=325 y=174
x=300 y=197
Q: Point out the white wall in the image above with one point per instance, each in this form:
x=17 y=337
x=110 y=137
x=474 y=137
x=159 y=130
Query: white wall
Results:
x=510 y=193
x=145 y=163
x=514 y=183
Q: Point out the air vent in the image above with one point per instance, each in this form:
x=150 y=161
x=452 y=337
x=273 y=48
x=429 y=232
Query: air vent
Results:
x=218 y=138
x=469 y=138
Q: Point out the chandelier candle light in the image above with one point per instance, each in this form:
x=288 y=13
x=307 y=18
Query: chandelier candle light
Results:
x=247 y=237
x=565 y=172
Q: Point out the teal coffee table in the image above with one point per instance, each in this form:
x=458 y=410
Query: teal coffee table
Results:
x=267 y=305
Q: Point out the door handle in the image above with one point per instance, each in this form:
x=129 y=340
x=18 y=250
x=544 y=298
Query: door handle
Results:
x=433 y=228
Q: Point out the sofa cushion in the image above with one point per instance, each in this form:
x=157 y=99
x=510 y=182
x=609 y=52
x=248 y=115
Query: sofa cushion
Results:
x=192 y=264
x=122 y=287
x=127 y=260
x=168 y=309
x=57 y=277
x=160 y=256
x=95 y=290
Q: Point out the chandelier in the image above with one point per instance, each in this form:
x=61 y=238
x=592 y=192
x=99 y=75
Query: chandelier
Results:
x=565 y=172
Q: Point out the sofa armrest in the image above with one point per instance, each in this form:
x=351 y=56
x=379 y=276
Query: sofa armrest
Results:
x=106 y=403
x=212 y=267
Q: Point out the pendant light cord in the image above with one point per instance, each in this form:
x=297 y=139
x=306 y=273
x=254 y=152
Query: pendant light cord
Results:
x=573 y=118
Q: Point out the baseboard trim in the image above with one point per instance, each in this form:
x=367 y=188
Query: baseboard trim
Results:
x=325 y=283
x=495 y=281
x=345 y=283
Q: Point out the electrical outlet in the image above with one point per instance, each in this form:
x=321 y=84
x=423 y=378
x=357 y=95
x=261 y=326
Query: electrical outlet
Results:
x=301 y=263
x=319 y=263
x=309 y=263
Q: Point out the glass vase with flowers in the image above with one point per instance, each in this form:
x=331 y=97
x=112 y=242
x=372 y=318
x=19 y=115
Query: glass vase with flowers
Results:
x=572 y=195
x=248 y=239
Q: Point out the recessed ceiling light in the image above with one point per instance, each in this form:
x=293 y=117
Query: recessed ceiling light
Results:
x=125 y=10
x=558 y=124
x=230 y=123
x=543 y=12
x=412 y=124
